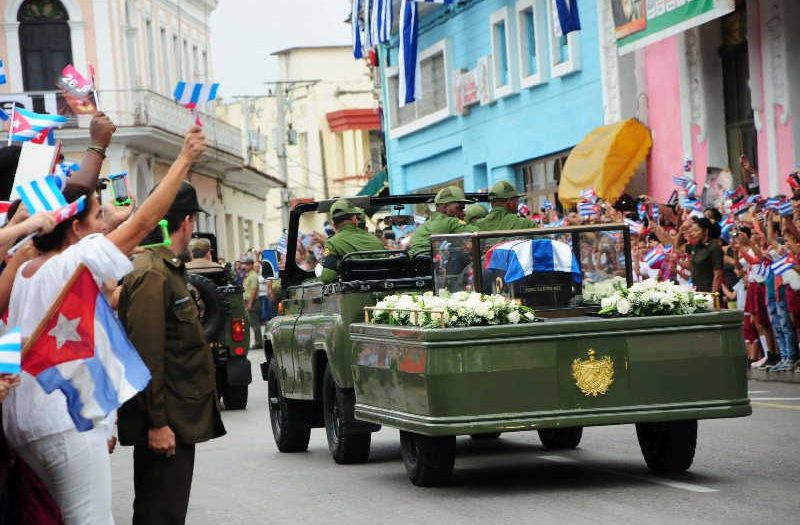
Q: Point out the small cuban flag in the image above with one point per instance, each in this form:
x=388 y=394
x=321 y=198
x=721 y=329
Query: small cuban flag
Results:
x=783 y=265
x=656 y=212
x=589 y=195
x=654 y=256
x=785 y=208
x=197 y=94
x=11 y=352
x=636 y=228
x=588 y=209
x=81 y=349
x=41 y=195
x=520 y=258
x=3 y=79
x=641 y=209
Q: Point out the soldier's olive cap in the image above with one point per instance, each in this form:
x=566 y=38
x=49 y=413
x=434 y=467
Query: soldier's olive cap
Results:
x=344 y=207
x=360 y=212
x=475 y=211
x=200 y=243
x=504 y=190
x=450 y=195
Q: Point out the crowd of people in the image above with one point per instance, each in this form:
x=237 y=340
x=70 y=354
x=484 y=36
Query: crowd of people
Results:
x=52 y=469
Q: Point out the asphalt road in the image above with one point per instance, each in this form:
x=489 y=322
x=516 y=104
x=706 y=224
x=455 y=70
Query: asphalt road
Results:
x=745 y=471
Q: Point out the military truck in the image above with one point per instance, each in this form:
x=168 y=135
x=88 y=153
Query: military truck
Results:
x=220 y=302
x=575 y=369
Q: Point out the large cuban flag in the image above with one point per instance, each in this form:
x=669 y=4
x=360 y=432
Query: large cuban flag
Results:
x=81 y=348
x=520 y=258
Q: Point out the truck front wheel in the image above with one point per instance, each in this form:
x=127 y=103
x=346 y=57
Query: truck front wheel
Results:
x=347 y=444
x=428 y=460
x=289 y=425
x=561 y=438
x=668 y=446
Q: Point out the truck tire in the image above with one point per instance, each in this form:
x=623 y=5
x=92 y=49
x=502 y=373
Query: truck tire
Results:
x=561 y=438
x=428 y=460
x=348 y=446
x=235 y=397
x=668 y=446
x=213 y=318
x=289 y=425
x=488 y=435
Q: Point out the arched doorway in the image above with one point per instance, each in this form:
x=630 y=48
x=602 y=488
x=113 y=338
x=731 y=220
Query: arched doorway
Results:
x=44 y=40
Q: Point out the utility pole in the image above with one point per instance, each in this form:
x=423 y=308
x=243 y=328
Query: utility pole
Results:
x=283 y=163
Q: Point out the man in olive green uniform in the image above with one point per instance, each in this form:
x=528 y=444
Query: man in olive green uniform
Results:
x=504 y=199
x=179 y=406
x=349 y=238
x=201 y=262
x=448 y=218
x=474 y=212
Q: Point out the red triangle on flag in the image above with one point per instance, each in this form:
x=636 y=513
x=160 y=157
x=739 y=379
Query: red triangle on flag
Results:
x=41 y=138
x=19 y=124
x=67 y=331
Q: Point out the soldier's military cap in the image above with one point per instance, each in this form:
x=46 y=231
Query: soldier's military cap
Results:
x=451 y=194
x=344 y=207
x=474 y=211
x=503 y=190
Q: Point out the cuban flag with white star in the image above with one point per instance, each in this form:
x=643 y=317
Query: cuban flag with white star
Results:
x=81 y=349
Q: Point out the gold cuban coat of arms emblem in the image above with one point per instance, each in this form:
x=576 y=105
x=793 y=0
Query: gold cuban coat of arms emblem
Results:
x=593 y=376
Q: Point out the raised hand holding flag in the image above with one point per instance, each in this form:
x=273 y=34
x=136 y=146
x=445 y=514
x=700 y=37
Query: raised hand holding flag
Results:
x=191 y=96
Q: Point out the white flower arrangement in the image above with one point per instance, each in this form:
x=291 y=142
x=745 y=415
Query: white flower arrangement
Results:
x=594 y=292
x=652 y=297
x=449 y=310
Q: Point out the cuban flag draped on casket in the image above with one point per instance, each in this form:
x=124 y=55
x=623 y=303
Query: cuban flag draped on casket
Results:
x=520 y=258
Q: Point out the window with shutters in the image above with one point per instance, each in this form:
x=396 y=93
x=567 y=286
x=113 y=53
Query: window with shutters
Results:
x=504 y=75
x=433 y=102
x=45 y=46
x=532 y=42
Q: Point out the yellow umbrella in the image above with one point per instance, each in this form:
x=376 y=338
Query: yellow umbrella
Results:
x=604 y=161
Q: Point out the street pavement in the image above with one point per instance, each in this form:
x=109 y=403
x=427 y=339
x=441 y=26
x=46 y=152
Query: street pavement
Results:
x=746 y=471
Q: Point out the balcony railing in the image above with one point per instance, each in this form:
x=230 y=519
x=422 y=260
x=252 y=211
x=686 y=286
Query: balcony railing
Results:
x=135 y=108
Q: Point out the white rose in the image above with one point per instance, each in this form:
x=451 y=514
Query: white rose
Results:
x=513 y=317
x=529 y=316
x=482 y=309
x=623 y=306
x=606 y=302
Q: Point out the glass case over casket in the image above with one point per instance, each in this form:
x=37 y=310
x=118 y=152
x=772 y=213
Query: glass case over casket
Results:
x=549 y=269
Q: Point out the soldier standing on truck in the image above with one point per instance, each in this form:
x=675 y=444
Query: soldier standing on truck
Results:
x=349 y=238
x=448 y=218
x=505 y=199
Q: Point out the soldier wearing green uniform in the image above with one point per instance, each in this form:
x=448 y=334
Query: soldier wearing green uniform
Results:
x=504 y=199
x=447 y=218
x=474 y=213
x=349 y=238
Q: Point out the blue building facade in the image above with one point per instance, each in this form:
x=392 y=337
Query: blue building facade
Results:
x=504 y=96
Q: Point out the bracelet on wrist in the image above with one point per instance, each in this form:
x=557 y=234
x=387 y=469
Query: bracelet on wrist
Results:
x=97 y=149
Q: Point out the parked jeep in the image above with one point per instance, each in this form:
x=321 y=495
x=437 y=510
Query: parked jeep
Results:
x=222 y=312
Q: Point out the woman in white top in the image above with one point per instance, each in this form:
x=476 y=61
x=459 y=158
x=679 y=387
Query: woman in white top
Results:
x=75 y=465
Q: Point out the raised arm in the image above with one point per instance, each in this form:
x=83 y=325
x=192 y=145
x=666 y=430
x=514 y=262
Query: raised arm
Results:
x=100 y=132
x=153 y=209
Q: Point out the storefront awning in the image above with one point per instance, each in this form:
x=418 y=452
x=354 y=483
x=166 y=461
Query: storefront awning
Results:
x=605 y=161
x=376 y=184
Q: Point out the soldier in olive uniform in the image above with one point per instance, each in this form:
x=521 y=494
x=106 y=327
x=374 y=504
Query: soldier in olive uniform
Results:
x=349 y=238
x=179 y=406
x=474 y=212
x=504 y=199
x=448 y=218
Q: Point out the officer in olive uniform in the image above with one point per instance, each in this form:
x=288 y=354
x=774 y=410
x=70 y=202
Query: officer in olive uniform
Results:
x=179 y=406
x=349 y=238
x=448 y=218
x=504 y=199
x=474 y=212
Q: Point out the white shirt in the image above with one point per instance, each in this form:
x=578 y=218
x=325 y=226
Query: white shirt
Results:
x=28 y=412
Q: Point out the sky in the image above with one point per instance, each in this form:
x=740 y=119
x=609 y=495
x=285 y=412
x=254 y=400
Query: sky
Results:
x=245 y=32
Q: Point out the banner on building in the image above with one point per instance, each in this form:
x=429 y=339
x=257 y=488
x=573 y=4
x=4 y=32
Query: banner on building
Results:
x=639 y=23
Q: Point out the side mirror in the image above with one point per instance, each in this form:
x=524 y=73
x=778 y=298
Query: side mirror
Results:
x=269 y=264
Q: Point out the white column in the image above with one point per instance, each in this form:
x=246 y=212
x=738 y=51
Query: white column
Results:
x=13 y=61
x=77 y=32
x=105 y=54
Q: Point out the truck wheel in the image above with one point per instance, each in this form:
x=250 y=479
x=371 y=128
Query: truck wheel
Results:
x=212 y=311
x=347 y=445
x=490 y=435
x=668 y=446
x=289 y=426
x=428 y=460
x=560 y=438
x=235 y=397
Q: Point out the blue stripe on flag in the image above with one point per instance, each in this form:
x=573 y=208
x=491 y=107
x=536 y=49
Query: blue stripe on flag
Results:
x=136 y=372
x=195 y=98
x=43 y=200
x=179 y=89
x=9 y=368
x=212 y=94
x=50 y=380
x=40 y=121
x=2 y=72
x=358 y=51
x=3 y=115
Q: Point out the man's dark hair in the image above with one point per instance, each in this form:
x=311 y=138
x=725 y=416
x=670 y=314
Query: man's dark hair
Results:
x=715 y=213
x=340 y=219
x=55 y=239
x=200 y=252
x=9 y=160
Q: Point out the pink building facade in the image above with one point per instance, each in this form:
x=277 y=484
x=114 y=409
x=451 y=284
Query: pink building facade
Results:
x=726 y=88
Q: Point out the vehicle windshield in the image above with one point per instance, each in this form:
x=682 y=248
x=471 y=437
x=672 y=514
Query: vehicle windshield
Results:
x=545 y=269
